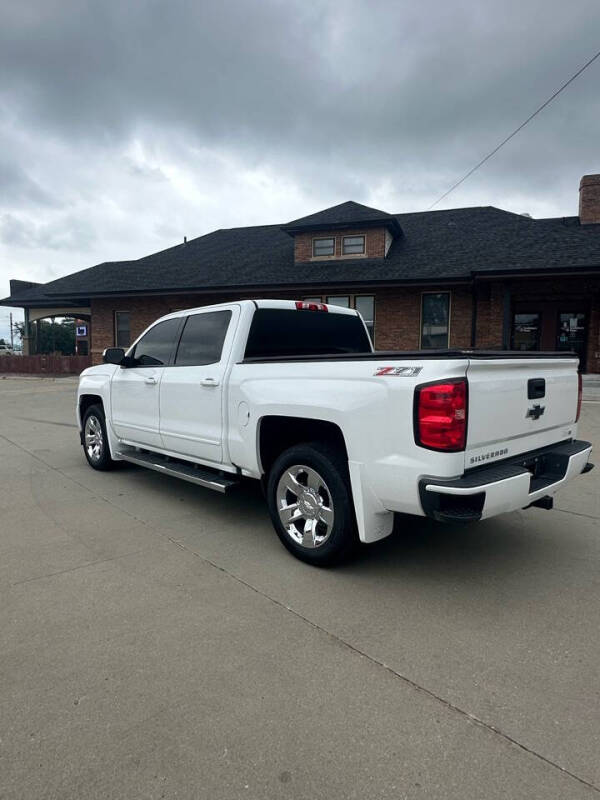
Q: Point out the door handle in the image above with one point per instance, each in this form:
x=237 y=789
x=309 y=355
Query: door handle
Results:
x=209 y=382
x=150 y=380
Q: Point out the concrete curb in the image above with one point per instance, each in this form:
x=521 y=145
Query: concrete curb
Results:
x=16 y=377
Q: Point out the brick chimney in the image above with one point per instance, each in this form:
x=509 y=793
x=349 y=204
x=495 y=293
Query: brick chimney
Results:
x=589 y=199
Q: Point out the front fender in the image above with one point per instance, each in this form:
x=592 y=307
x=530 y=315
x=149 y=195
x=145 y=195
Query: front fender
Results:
x=95 y=381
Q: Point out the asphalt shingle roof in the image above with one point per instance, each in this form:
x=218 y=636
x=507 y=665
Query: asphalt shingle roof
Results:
x=37 y=297
x=434 y=246
x=349 y=213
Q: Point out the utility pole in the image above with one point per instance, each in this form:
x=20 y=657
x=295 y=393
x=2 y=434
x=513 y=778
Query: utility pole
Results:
x=12 y=340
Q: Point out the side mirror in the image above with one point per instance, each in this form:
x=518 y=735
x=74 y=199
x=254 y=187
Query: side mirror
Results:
x=113 y=355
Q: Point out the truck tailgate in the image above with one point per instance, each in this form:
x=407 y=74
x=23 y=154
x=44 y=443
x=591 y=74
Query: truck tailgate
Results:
x=517 y=405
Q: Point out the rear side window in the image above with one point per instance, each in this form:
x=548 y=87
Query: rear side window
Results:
x=287 y=332
x=154 y=348
x=202 y=339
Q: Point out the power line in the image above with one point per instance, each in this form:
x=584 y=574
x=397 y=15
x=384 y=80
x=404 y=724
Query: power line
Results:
x=516 y=130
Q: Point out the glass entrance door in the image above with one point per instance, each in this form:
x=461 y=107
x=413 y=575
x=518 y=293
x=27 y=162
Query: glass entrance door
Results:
x=526 y=331
x=571 y=333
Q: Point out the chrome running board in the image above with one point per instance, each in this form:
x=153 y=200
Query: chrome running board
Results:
x=185 y=470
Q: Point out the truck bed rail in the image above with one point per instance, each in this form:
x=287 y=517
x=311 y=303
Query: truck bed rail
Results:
x=404 y=355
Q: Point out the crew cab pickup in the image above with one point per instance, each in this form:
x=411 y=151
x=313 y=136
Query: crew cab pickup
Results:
x=292 y=394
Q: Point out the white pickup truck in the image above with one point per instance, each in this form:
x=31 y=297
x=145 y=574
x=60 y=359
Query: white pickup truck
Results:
x=292 y=394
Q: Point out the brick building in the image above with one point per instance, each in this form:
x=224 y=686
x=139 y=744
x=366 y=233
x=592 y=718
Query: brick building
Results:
x=471 y=277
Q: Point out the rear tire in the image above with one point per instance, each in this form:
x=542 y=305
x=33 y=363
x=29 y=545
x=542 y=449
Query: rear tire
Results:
x=310 y=503
x=95 y=439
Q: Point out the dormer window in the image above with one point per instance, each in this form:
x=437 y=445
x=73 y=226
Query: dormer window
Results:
x=323 y=247
x=353 y=245
x=349 y=231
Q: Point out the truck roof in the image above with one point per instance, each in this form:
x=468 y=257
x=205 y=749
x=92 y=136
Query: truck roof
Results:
x=262 y=303
x=291 y=304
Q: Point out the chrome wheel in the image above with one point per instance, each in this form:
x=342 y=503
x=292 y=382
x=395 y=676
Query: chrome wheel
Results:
x=305 y=506
x=94 y=439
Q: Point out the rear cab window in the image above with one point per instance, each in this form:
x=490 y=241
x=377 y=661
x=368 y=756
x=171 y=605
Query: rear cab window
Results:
x=281 y=332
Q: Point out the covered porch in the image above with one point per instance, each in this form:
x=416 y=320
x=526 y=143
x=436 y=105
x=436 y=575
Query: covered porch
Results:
x=33 y=317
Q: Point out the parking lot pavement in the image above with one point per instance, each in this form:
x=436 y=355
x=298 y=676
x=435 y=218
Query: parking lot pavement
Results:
x=158 y=641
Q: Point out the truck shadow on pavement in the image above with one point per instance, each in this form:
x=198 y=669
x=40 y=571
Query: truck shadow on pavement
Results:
x=502 y=546
x=515 y=541
x=520 y=541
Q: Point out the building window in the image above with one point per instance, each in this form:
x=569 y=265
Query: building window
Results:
x=338 y=300
x=364 y=304
x=353 y=245
x=323 y=247
x=526 y=331
x=435 y=316
x=122 y=329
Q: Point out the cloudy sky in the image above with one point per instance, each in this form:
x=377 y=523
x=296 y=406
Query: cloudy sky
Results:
x=127 y=124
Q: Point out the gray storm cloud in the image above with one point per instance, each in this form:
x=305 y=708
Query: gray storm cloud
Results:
x=124 y=126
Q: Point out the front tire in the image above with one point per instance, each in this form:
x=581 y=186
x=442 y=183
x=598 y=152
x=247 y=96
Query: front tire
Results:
x=95 y=439
x=310 y=503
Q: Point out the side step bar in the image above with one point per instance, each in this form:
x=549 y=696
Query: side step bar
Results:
x=179 y=469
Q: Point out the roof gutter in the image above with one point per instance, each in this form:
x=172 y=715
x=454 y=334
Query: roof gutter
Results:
x=269 y=288
x=535 y=272
x=475 y=276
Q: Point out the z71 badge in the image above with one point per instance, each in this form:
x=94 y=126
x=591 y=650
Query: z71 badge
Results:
x=402 y=372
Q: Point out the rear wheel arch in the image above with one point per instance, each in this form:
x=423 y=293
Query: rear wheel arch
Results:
x=278 y=433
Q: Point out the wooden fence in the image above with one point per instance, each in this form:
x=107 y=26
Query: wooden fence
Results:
x=44 y=364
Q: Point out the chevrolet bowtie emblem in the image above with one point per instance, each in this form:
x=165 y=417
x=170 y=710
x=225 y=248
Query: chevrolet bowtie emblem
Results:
x=535 y=412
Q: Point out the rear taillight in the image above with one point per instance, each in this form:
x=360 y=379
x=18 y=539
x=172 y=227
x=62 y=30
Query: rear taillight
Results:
x=579 y=394
x=441 y=415
x=303 y=305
